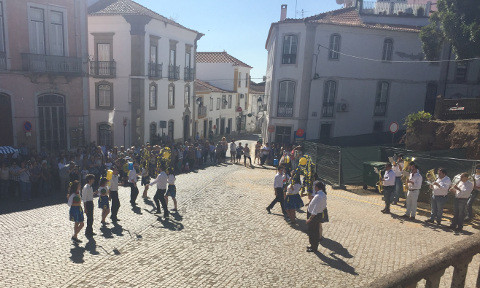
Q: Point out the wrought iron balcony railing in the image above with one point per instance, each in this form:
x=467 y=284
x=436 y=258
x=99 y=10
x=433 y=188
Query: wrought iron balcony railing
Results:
x=189 y=74
x=380 y=109
x=285 y=109
x=155 y=70
x=106 y=69
x=38 y=63
x=173 y=72
x=327 y=109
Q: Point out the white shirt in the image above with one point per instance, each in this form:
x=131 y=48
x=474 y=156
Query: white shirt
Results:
x=87 y=193
x=171 y=179
x=442 y=189
x=398 y=169
x=161 y=181
x=233 y=147
x=417 y=181
x=389 y=178
x=477 y=181
x=318 y=203
x=132 y=176
x=278 y=181
x=465 y=189
x=114 y=183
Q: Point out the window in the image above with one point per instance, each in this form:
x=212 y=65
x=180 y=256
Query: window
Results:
x=103 y=64
x=289 y=49
x=334 y=47
x=188 y=57
x=173 y=56
x=105 y=134
x=153 y=53
x=171 y=130
x=104 y=95
x=239 y=79
x=218 y=103
x=229 y=101
x=387 y=50
x=153 y=97
x=378 y=126
x=246 y=80
x=224 y=101
x=153 y=132
x=186 y=96
x=171 y=96
x=52 y=122
x=381 y=99
x=173 y=70
x=3 y=56
x=461 y=72
x=211 y=104
x=329 y=98
x=46 y=24
x=285 y=99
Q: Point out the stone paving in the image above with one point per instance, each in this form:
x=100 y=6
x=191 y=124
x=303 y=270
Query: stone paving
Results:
x=221 y=237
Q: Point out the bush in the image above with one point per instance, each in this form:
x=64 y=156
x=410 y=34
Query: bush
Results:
x=414 y=117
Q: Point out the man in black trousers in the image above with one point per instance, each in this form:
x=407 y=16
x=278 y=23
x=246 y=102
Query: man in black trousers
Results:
x=316 y=208
x=278 y=186
x=159 y=197
x=87 y=198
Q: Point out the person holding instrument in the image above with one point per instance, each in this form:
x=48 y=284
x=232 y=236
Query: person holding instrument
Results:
x=439 y=195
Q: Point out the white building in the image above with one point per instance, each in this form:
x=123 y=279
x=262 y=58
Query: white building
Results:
x=256 y=106
x=221 y=70
x=141 y=74
x=344 y=73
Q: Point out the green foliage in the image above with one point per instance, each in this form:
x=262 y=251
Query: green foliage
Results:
x=414 y=117
x=456 y=21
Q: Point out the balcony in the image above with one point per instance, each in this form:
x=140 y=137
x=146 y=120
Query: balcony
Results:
x=202 y=111
x=3 y=61
x=327 y=109
x=394 y=8
x=285 y=109
x=173 y=72
x=189 y=74
x=380 y=109
x=37 y=63
x=155 y=70
x=103 y=69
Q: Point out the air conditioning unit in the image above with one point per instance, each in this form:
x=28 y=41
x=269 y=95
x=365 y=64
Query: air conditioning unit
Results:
x=342 y=107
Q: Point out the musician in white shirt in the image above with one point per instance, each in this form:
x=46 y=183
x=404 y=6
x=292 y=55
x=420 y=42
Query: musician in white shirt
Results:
x=397 y=168
x=462 y=191
x=388 y=187
x=439 y=195
x=414 y=185
x=473 y=196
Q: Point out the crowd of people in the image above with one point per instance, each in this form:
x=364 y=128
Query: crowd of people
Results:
x=464 y=190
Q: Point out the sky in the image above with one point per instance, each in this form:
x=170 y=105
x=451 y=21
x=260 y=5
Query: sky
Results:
x=237 y=27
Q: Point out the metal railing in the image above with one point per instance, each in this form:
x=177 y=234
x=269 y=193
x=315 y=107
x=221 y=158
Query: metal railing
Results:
x=327 y=109
x=393 y=8
x=202 y=111
x=432 y=267
x=380 y=109
x=285 y=109
x=37 y=63
x=189 y=74
x=3 y=61
x=103 y=68
x=452 y=109
x=173 y=72
x=155 y=70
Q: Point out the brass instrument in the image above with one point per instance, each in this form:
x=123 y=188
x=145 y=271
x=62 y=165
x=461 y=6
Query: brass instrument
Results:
x=379 y=184
x=430 y=176
x=406 y=173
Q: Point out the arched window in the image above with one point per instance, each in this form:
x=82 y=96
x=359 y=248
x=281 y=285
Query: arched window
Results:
x=153 y=97
x=104 y=95
x=387 y=50
x=381 y=99
x=329 y=94
x=104 y=134
x=334 y=47
x=286 y=96
x=171 y=96
x=52 y=122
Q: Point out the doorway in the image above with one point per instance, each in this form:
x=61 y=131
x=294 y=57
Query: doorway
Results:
x=186 y=128
x=6 y=120
x=283 y=134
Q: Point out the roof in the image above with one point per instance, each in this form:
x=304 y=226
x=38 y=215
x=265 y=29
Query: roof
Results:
x=346 y=17
x=219 y=57
x=127 y=7
x=201 y=86
x=257 y=88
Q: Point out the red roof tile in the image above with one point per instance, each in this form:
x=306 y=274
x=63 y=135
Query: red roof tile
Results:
x=201 y=86
x=219 y=57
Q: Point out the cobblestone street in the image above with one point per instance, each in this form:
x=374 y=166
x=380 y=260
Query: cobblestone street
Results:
x=221 y=237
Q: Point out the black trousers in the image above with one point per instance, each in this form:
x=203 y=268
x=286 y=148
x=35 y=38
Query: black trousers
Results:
x=313 y=230
x=160 y=197
x=89 y=212
x=115 y=204
x=133 y=193
x=245 y=160
x=278 y=198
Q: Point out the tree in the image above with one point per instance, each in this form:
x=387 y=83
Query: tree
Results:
x=456 y=21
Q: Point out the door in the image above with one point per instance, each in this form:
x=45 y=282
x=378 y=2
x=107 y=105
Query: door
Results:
x=283 y=134
x=205 y=129
x=103 y=58
x=229 y=125
x=6 y=137
x=171 y=130
x=52 y=122
x=325 y=132
x=222 y=126
x=430 y=98
x=186 y=127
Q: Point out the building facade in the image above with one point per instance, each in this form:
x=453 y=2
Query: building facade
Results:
x=43 y=82
x=142 y=71
x=345 y=72
x=223 y=71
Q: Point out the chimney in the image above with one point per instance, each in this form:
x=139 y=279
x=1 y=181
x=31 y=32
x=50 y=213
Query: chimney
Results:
x=283 y=14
